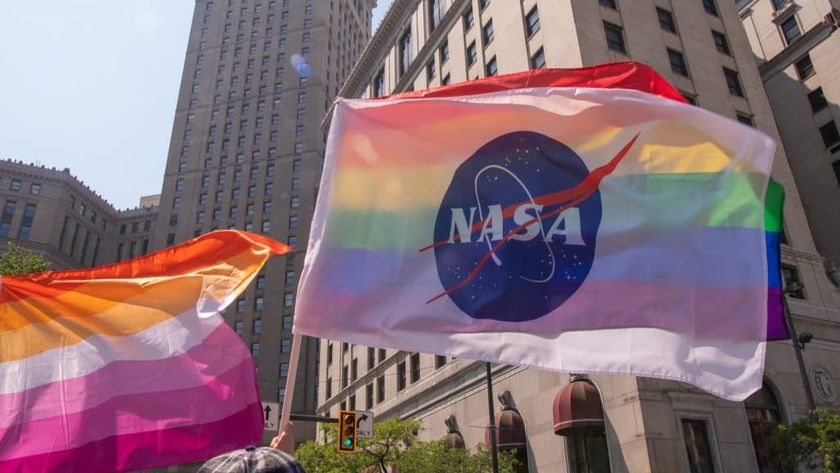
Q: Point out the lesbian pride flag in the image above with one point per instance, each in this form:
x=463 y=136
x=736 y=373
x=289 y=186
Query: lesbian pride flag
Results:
x=582 y=220
x=129 y=366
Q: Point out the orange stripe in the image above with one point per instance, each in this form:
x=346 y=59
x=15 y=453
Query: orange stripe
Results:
x=94 y=297
x=184 y=258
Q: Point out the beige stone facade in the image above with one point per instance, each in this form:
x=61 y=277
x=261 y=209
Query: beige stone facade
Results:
x=650 y=424
x=795 y=44
x=53 y=213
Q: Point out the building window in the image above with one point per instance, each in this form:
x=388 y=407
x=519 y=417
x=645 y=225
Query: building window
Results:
x=401 y=376
x=240 y=305
x=733 y=82
x=491 y=69
x=790 y=30
x=677 y=61
x=293 y=221
x=444 y=52
x=469 y=19
x=721 y=43
x=538 y=59
x=379 y=83
x=790 y=277
x=804 y=67
x=380 y=388
x=290 y=277
x=287 y=322
x=257 y=326
x=532 y=22
x=415 y=367
x=258 y=303
x=836 y=166
x=472 y=54
x=608 y=4
x=405 y=51
x=26 y=223
x=371 y=357
x=237 y=327
x=382 y=353
x=289 y=299
x=255 y=349
x=35 y=188
x=666 y=20
x=285 y=345
x=615 y=37
x=440 y=360
x=265 y=226
x=369 y=396
x=261 y=281
x=763 y=415
x=354 y=369
x=817 y=100
x=829 y=134
x=710 y=7
x=697 y=446
x=745 y=119
x=587 y=450
x=343 y=376
x=14 y=185
x=482 y=4
x=445 y=80
x=436 y=11
x=487 y=33
x=430 y=71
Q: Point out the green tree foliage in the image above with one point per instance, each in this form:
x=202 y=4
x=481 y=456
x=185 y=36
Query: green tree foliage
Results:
x=18 y=260
x=813 y=441
x=395 y=443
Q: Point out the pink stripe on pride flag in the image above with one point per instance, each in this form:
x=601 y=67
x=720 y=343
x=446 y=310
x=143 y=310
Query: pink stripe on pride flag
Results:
x=135 y=413
x=171 y=446
x=220 y=351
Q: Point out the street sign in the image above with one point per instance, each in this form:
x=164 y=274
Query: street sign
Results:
x=364 y=424
x=271 y=415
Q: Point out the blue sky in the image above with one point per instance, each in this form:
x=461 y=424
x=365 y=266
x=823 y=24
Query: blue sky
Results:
x=92 y=84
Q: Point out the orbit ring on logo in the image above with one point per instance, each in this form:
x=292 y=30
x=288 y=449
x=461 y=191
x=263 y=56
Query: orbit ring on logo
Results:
x=516 y=231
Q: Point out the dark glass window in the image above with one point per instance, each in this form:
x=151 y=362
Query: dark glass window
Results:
x=482 y=4
x=697 y=446
x=444 y=52
x=368 y=396
x=836 y=166
x=436 y=11
x=415 y=367
x=491 y=69
x=380 y=388
x=817 y=100
x=469 y=19
x=532 y=21
x=677 y=61
x=790 y=276
x=721 y=43
x=6 y=221
x=790 y=30
x=745 y=119
x=615 y=37
x=401 y=376
x=763 y=416
x=440 y=360
x=804 y=67
x=405 y=51
x=710 y=7
x=608 y=4
x=430 y=70
x=487 y=33
x=26 y=223
x=666 y=20
x=472 y=54
x=538 y=59
x=733 y=82
x=829 y=134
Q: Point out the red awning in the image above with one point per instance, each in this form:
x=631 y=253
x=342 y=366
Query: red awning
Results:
x=510 y=431
x=578 y=407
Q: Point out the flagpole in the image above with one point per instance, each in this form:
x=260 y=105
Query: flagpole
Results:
x=286 y=409
x=494 y=450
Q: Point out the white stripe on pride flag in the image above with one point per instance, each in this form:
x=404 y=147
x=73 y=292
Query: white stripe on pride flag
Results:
x=171 y=337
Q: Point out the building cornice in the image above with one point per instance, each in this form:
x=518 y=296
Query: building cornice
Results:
x=792 y=53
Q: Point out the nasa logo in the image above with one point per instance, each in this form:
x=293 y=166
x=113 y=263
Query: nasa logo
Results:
x=515 y=234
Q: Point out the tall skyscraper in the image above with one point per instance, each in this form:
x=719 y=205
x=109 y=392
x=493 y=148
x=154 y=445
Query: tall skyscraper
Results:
x=247 y=149
x=594 y=423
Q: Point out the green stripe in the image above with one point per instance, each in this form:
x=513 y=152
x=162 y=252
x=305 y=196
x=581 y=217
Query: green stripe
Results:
x=656 y=202
x=774 y=202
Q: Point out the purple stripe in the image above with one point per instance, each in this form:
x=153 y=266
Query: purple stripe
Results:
x=776 y=326
x=150 y=449
x=134 y=413
x=220 y=351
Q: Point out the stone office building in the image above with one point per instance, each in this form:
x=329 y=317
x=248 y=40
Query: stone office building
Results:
x=796 y=44
x=593 y=423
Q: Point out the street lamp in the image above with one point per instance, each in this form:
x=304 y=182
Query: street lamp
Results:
x=799 y=342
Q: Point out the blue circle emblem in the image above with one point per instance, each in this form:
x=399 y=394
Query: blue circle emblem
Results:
x=515 y=233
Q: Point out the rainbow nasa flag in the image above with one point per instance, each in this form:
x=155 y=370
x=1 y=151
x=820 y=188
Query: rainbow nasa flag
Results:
x=129 y=366
x=583 y=220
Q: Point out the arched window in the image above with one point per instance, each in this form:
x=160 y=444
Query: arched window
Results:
x=763 y=415
x=579 y=416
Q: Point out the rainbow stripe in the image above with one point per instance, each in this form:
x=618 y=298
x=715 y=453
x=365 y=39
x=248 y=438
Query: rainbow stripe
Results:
x=129 y=366
x=679 y=285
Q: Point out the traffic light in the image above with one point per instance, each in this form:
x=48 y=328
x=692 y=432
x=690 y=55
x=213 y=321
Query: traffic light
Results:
x=347 y=431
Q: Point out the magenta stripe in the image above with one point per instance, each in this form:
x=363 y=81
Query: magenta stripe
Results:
x=133 y=413
x=220 y=351
x=150 y=449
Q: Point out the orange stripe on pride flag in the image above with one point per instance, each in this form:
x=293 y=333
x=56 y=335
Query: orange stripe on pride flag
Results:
x=184 y=258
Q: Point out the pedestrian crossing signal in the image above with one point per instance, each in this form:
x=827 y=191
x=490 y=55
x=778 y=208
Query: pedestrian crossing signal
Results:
x=347 y=431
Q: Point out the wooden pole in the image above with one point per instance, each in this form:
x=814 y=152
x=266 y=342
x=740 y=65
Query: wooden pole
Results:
x=286 y=409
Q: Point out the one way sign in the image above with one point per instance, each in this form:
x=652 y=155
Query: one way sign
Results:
x=364 y=424
x=271 y=415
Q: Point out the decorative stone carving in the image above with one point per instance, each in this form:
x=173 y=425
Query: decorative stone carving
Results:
x=824 y=384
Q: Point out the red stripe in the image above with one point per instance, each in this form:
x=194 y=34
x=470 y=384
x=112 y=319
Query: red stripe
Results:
x=617 y=75
x=150 y=449
x=204 y=251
